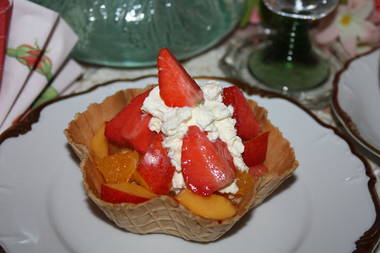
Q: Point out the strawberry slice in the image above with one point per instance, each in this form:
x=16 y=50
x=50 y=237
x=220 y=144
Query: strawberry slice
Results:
x=222 y=148
x=247 y=125
x=255 y=150
x=177 y=88
x=204 y=169
x=130 y=127
x=258 y=171
x=156 y=168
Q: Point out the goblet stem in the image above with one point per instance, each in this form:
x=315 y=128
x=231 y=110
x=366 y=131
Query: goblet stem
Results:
x=288 y=61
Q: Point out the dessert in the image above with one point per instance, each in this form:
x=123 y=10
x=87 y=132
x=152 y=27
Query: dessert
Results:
x=179 y=158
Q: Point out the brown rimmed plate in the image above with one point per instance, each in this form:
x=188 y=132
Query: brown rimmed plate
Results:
x=356 y=100
x=330 y=205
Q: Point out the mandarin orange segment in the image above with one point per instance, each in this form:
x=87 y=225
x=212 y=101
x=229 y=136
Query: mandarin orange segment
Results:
x=244 y=182
x=118 y=168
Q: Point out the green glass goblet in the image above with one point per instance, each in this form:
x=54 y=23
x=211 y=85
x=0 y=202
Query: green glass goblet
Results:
x=288 y=62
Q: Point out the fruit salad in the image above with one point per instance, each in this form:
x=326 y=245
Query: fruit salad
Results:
x=201 y=145
x=179 y=158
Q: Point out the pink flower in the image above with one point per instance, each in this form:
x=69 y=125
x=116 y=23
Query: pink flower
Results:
x=350 y=26
x=375 y=16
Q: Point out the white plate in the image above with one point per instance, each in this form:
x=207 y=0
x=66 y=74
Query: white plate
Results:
x=325 y=207
x=356 y=100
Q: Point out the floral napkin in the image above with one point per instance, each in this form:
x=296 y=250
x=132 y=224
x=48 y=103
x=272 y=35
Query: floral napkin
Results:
x=37 y=65
x=5 y=17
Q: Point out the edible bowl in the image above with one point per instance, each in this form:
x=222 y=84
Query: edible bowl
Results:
x=164 y=214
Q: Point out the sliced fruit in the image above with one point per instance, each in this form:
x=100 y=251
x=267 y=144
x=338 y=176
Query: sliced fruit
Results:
x=94 y=178
x=204 y=169
x=244 y=182
x=258 y=171
x=177 y=88
x=156 y=168
x=130 y=127
x=214 y=206
x=139 y=179
x=118 y=168
x=99 y=143
x=222 y=148
x=125 y=192
x=114 y=149
x=255 y=150
x=247 y=125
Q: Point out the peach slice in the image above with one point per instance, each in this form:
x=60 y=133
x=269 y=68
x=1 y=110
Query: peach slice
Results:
x=139 y=179
x=125 y=192
x=99 y=143
x=245 y=182
x=94 y=178
x=118 y=168
x=214 y=206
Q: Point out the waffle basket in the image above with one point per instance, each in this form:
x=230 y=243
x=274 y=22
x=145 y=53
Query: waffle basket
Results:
x=164 y=214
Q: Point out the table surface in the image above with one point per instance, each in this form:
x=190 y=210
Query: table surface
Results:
x=205 y=64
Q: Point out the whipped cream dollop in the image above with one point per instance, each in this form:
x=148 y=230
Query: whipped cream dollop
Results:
x=211 y=116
